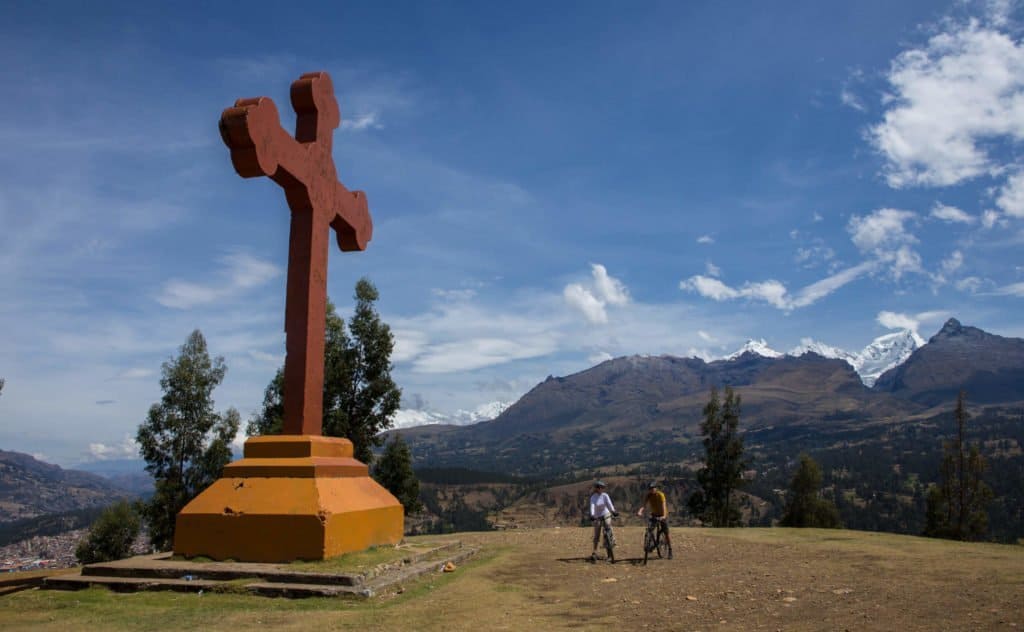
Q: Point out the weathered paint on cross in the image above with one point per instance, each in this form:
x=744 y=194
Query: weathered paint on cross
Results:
x=304 y=167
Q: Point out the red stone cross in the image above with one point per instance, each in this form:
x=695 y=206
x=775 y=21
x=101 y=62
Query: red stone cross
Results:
x=304 y=167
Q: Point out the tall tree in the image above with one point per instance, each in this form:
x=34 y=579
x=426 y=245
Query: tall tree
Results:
x=184 y=442
x=394 y=472
x=722 y=473
x=805 y=506
x=360 y=397
x=956 y=507
x=373 y=397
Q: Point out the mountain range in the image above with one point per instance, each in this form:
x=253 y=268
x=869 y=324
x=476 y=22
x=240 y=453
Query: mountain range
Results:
x=30 y=487
x=626 y=401
x=408 y=418
x=881 y=354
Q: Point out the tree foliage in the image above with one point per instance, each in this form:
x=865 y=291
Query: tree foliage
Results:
x=956 y=507
x=394 y=472
x=360 y=397
x=806 y=507
x=184 y=442
x=111 y=536
x=722 y=473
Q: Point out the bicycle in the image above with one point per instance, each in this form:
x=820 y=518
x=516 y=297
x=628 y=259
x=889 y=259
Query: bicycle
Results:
x=609 y=537
x=655 y=537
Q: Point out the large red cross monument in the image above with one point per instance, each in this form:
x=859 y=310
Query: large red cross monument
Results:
x=298 y=495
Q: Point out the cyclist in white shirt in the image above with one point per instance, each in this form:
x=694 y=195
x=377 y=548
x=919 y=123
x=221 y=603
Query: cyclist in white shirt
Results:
x=601 y=512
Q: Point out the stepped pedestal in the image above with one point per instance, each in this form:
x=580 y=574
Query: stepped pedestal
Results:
x=292 y=497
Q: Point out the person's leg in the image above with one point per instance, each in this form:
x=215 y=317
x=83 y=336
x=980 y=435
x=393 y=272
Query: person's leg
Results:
x=609 y=538
x=597 y=537
x=668 y=539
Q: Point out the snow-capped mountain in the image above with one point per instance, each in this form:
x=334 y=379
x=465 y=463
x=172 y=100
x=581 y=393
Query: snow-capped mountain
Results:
x=884 y=353
x=757 y=347
x=484 y=412
x=880 y=355
x=810 y=345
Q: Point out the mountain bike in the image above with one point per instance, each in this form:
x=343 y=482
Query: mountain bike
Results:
x=655 y=537
x=609 y=536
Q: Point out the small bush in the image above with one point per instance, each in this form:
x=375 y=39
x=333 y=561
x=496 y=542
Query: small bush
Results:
x=111 y=536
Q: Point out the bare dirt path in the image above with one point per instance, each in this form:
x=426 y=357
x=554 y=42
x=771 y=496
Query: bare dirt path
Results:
x=771 y=579
x=741 y=579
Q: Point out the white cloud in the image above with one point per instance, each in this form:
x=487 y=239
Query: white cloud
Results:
x=894 y=320
x=126 y=449
x=989 y=218
x=454 y=295
x=709 y=288
x=999 y=11
x=950 y=97
x=880 y=230
x=712 y=270
x=952 y=214
x=463 y=336
x=136 y=373
x=904 y=260
x=816 y=217
x=609 y=290
x=883 y=235
x=408 y=344
x=969 y=284
x=589 y=305
x=362 y=122
x=774 y=292
x=599 y=357
x=1011 y=196
x=238 y=443
x=820 y=289
x=705 y=239
x=898 y=320
x=475 y=353
x=771 y=291
x=705 y=335
x=814 y=254
x=1013 y=289
x=591 y=301
x=849 y=99
x=241 y=272
x=269 y=359
x=953 y=262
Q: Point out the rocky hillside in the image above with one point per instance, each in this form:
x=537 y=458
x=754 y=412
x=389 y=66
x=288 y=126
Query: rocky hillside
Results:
x=623 y=395
x=989 y=367
x=29 y=488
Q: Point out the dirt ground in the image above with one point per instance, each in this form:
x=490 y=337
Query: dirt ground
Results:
x=740 y=579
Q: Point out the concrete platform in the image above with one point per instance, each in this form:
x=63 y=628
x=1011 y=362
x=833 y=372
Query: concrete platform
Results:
x=162 y=572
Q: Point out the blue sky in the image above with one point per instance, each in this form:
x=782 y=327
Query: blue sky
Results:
x=551 y=184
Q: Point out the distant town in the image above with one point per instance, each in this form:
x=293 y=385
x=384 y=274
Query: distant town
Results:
x=51 y=551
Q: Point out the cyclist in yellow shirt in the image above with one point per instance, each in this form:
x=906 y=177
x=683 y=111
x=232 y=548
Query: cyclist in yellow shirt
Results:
x=655 y=500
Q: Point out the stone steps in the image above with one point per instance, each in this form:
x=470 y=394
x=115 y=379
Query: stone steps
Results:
x=128 y=584
x=218 y=572
x=157 y=572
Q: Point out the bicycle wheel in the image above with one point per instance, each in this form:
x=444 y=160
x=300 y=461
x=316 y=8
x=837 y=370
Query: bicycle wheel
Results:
x=661 y=544
x=648 y=544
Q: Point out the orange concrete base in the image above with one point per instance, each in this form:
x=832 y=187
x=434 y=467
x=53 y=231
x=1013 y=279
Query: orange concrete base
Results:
x=292 y=497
